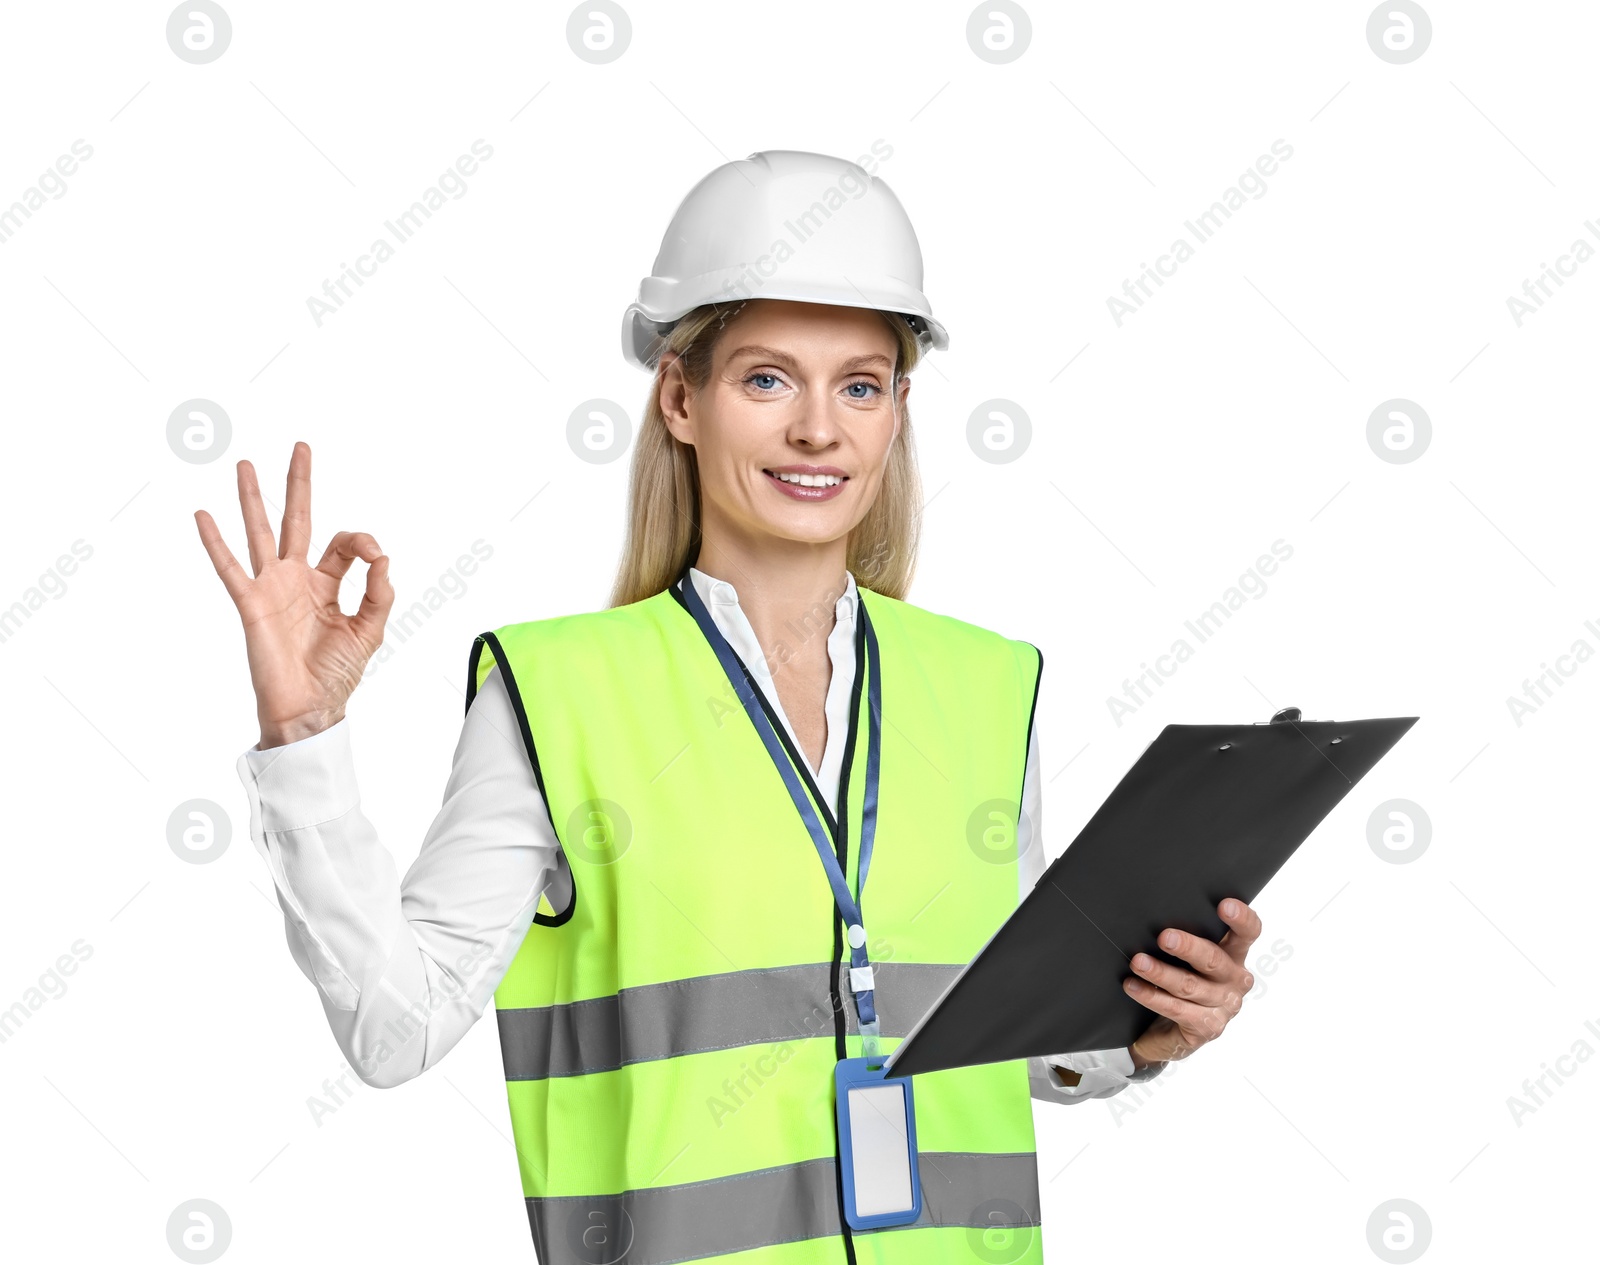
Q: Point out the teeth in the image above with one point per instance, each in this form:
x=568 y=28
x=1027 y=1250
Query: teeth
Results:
x=809 y=480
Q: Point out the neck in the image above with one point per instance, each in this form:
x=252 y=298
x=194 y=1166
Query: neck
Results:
x=787 y=588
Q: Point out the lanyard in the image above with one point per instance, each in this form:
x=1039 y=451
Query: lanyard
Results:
x=860 y=966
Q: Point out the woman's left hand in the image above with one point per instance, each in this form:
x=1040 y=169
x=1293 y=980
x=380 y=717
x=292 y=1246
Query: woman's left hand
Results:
x=1194 y=1006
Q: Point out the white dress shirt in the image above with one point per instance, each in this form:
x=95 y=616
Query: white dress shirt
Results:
x=424 y=955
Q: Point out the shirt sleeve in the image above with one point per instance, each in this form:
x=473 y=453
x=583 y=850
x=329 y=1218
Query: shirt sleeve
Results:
x=1102 y=1073
x=405 y=967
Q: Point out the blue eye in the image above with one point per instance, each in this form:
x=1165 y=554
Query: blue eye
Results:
x=754 y=380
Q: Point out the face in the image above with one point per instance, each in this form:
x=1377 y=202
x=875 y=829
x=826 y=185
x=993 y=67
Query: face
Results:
x=793 y=427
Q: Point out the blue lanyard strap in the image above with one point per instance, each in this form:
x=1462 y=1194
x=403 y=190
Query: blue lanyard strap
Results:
x=861 y=968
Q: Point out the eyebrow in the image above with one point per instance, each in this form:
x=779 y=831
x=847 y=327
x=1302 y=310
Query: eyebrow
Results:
x=784 y=358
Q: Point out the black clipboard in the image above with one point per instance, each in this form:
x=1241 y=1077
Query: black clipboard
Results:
x=1206 y=812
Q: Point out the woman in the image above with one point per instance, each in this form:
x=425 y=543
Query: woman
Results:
x=651 y=845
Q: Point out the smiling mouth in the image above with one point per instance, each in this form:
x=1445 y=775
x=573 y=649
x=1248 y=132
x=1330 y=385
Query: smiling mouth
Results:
x=808 y=487
x=807 y=480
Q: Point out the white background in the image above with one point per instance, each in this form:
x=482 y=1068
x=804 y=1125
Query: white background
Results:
x=1230 y=412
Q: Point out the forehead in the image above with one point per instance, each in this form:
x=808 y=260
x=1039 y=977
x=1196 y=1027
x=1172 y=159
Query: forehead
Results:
x=798 y=334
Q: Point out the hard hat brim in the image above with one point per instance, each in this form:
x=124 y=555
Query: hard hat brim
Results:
x=644 y=324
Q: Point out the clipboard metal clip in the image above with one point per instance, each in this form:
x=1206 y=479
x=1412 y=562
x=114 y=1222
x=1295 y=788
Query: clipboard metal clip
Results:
x=1285 y=715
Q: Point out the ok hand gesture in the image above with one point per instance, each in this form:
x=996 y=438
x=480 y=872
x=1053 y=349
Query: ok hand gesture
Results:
x=306 y=656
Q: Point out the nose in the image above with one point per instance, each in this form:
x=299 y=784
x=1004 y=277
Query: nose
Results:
x=815 y=423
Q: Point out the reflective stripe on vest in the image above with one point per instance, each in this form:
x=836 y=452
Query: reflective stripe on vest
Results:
x=962 y=1191
x=710 y=1012
x=669 y=1037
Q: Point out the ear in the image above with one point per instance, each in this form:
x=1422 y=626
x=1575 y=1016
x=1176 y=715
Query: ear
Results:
x=672 y=394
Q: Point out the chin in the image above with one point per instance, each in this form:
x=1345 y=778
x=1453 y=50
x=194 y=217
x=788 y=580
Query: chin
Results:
x=808 y=529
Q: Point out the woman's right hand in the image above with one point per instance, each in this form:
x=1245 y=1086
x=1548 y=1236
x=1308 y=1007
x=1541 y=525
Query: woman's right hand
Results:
x=306 y=656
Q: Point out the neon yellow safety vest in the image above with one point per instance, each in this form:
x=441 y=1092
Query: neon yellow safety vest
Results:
x=669 y=1037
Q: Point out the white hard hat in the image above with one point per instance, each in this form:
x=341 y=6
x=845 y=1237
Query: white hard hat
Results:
x=783 y=224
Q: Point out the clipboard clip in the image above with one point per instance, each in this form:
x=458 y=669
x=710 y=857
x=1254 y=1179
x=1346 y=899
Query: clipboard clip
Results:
x=1285 y=715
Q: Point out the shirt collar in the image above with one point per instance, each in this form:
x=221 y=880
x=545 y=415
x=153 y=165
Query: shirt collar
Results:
x=722 y=592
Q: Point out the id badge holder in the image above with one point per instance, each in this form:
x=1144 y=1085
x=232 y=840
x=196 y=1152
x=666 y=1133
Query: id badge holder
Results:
x=877 y=1145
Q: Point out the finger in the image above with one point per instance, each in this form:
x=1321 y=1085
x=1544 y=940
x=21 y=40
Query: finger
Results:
x=233 y=576
x=257 y=531
x=368 y=621
x=1206 y=956
x=295 y=537
x=1198 y=1023
x=1186 y=984
x=344 y=549
x=1244 y=928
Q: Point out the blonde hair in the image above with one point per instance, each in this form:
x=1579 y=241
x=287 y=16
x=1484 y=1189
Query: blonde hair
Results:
x=664 y=483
